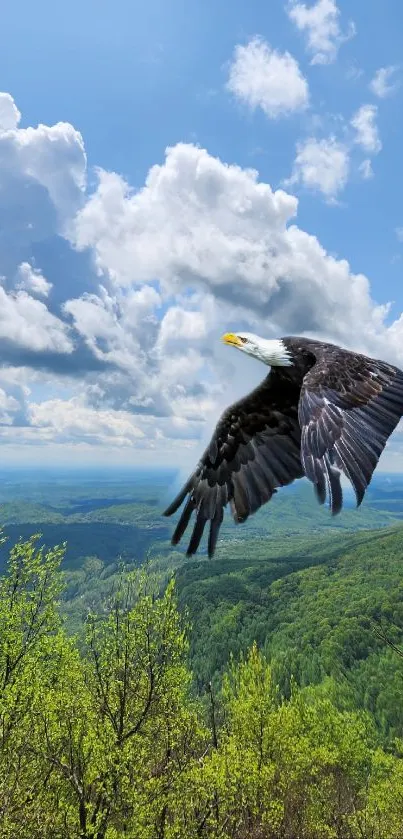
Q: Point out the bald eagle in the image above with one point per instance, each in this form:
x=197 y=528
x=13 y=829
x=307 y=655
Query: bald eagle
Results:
x=321 y=411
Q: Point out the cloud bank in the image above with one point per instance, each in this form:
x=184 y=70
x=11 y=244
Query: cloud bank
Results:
x=121 y=350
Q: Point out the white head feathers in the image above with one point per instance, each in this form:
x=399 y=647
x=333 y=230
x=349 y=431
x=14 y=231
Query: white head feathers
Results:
x=271 y=352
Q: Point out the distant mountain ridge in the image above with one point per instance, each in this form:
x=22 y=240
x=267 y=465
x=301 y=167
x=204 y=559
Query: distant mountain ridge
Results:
x=121 y=517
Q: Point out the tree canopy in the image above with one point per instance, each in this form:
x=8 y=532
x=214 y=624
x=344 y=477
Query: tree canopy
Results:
x=105 y=737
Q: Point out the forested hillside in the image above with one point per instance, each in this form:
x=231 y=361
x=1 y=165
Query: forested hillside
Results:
x=97 y=514
x=247 y=696
x=108 y=740
x=313 y=606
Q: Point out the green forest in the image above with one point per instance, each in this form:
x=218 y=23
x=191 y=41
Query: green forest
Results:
x=150 y=696
x=244 y=697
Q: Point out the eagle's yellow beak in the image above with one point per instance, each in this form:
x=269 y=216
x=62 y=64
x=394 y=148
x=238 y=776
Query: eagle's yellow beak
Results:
x=230 y=338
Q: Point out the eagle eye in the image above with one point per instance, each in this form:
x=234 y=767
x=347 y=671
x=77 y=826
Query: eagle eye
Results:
x=244 y=340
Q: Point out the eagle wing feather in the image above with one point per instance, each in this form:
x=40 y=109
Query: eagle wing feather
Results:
x=255 y=448
x=349 y=406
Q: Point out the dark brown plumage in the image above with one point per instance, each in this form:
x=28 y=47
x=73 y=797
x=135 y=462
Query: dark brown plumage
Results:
x=330 y=411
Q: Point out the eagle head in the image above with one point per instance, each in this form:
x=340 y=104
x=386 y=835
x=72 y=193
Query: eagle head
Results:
x=273 y=353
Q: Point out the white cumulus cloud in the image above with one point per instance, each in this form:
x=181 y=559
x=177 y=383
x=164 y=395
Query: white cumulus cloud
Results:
x=263 y=78
x=320 y=23
x=9 y=113
x=383 y=83
x=26 y=322
x=51 y=156
x=321 y=165
x=196 y=222
x=366 y=129
x=216 y=229
x=32 y=280
x=9 y=405
x=71 y=419
x=325 y=164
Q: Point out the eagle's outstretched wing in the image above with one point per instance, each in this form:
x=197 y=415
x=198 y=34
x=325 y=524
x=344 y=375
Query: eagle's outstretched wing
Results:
x=254 y=449
x=349 y=406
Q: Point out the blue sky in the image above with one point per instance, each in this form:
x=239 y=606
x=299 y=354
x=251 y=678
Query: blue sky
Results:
x=119 y=357
x=135 y=77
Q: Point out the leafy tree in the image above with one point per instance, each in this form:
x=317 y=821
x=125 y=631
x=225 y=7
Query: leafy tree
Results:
x=92 y=745
x=28 y=622
x=285 y=769
x=103 y=738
